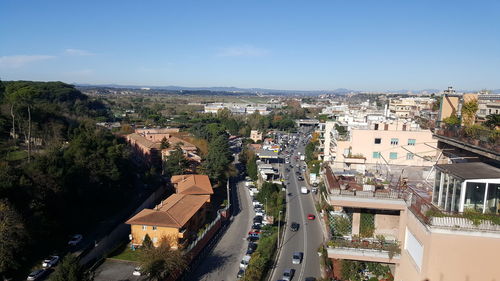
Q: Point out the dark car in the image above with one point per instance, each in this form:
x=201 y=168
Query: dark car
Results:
x=252 y=238
x=300 y=178
x=294 y=226
x=240 y=274
x=257 y=219
x=252 y=246
x=297 y=173
x=310 y=279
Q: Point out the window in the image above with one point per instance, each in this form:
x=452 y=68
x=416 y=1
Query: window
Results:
x=144 y=227
x=155 y=227
x=386 y=127
x=409 y=156
x=376 y=127
x=393 y=155
x=378 y=140
x=155 y=240
x=394 y=141
x=412 y=141
x=376 y=155
x=414 y=248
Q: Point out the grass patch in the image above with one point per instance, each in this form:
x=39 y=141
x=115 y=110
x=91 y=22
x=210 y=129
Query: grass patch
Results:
x=125 y=253
x=16 y=155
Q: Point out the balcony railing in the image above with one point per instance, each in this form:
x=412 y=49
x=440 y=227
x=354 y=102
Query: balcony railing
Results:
x=385 y=194
x=475 y=136
x=431 y=215
x=365 y=247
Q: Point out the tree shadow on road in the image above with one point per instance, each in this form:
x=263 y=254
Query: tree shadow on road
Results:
x=212 y=264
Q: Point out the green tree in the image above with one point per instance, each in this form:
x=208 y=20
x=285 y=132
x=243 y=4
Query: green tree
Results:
x=452 y=120
x=147 y=243
x=164 y=143
x=492 y=121
x=70 y=270
x=251 y=167
x=218 y=159
x=176 y=163
x=160 y=262
x=469 y=110
x=13 y=236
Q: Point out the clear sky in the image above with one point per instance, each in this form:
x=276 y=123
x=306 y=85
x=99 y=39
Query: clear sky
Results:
x=304 y=45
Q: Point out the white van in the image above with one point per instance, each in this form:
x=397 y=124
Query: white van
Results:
x=304 y=190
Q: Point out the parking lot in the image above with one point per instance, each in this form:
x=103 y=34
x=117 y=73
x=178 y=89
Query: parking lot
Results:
x=116 y=270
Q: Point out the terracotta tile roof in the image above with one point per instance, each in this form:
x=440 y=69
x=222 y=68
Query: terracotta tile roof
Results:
x=141 y=141
x=175 y=211
x=192 y=184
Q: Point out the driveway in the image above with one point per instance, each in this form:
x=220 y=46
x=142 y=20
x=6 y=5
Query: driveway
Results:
x=116 y=270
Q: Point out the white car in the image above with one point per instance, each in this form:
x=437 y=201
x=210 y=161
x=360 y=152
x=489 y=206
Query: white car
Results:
x=260 y=213
x=75 y=239
x=50 y=261
x=137 y=271
x=245 y=261
x=297 y=258
x=304 y=190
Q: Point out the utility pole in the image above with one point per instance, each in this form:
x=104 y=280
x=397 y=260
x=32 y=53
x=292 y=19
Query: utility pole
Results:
x=279 y=222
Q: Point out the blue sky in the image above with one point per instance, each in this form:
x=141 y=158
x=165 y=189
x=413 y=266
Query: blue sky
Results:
x=304 y=45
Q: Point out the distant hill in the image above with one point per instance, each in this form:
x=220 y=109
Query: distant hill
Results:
x=338 y=91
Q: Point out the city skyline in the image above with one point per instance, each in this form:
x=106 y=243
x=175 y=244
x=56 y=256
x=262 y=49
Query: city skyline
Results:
x=281 y=45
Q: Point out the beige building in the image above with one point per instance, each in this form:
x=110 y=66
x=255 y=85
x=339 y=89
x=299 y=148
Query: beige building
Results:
x=388 y=143
x=255 y=135
x=409 y=107
x=422 y=239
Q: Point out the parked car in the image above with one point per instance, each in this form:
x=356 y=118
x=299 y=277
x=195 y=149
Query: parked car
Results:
x=240 y=273
x=137 y=271
x=294 y=226
x=311 y=217
x=297 y=257
x=252 y=246
x=77 y=238
x=245 y=261
x=50 y=261
x=252 y=238
x=37 y=274
x=259 y=213
x=256 y=226
x=300 y=178
x=304 y=190
x=288 y=274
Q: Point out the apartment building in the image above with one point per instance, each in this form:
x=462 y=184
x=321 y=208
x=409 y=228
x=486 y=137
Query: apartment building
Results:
x=388 y=143
x=177 y=218
x=240 y=108
x=488 y=104
x=147 y=145
x=409 y=107
x=452 y=235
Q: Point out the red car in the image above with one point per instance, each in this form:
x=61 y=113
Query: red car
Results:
x=311 y=217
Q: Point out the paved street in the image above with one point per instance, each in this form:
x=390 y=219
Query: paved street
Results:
x=309 y=236
x=222 y=262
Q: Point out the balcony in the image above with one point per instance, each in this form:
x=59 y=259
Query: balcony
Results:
x=435 y=218
x=354 y=159
x=365 y=249
x=379 y=199
x=474 y=139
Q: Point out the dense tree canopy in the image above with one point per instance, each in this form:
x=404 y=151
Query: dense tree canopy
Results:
x=78 y=175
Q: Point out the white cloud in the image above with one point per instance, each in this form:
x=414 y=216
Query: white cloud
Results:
x=21 y=60
x=77 y=52
x=242 y=51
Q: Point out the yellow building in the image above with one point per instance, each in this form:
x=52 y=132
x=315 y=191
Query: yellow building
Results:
x=176 y=219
